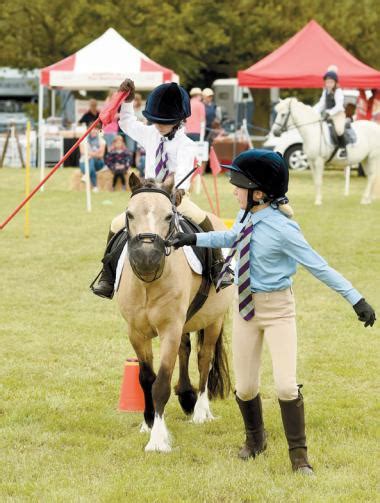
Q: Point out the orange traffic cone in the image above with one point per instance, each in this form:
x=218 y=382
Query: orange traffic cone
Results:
x=131 y=393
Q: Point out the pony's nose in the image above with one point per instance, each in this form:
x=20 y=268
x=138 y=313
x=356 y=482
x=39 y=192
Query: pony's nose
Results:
x=147 y=259
x=276 y=132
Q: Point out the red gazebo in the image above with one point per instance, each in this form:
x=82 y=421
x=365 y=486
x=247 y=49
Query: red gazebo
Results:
x=302 y=61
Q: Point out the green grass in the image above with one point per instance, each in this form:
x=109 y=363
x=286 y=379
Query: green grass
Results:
x=62 y=352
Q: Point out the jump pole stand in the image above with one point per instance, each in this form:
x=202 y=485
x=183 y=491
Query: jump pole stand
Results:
x=347 y=175
x=27 y=180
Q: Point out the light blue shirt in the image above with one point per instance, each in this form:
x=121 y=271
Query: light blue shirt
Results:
x=277 y=245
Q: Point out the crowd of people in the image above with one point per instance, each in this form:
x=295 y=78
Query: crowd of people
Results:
x=113 y=150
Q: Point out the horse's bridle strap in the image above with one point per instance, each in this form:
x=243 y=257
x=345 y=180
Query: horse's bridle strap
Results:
x=152 y=189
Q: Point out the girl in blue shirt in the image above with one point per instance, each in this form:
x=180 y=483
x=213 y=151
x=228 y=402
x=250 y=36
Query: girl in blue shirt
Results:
x=270 y=245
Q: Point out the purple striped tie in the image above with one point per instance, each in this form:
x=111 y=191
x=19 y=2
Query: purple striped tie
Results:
x=161 y=169
x=246 y=308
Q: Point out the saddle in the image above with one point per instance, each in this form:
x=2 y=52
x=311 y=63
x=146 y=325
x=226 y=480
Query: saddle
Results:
x=349 y=133
x=116 y=246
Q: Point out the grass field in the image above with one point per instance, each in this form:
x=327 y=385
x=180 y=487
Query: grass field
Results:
x=62 y=352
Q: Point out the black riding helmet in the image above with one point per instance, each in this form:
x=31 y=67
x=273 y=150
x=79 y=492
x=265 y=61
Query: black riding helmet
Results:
x=167 y=104
x=260 y=169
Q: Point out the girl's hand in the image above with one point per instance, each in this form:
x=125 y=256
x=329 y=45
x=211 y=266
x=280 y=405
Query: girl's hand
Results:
x=128 y=86
x=365 y=313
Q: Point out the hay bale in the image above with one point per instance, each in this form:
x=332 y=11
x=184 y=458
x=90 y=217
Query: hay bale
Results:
x=104 y=178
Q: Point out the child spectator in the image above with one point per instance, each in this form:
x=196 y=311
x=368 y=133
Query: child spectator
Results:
x=118 y=160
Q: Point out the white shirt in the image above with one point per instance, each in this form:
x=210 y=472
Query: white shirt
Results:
x=339 y=102
x=180 y=150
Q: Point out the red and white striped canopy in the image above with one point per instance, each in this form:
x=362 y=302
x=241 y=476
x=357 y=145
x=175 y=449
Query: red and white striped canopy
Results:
x=105 y=63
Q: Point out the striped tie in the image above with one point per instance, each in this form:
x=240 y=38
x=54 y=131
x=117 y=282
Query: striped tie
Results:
x=161 y=169
x=246 y=308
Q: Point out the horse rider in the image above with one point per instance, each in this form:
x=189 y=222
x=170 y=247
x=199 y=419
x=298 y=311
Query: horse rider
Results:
x=331 y=106
x=168 y=150
x=270 y=245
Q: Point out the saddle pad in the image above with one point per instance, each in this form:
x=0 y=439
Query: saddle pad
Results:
x=192 y=260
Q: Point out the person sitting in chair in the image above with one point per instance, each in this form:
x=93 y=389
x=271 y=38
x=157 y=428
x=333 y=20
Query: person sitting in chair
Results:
x=331 y=106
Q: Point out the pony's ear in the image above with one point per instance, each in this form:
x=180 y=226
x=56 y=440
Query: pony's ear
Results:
x=178 y=195
x=134 y=182
x=168 y=184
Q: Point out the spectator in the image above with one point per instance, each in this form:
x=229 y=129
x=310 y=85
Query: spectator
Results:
x=110 y=131
x=198 y=115
x=118 y=160
x=96 y=149
x=212 y=111
x=91 y=115
x=140 y=160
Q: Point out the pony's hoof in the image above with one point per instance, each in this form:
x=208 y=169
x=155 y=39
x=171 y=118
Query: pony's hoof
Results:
x=145 y=428
x=365 y=201
x=155 y=446
x=187 y=401
x=201 y=417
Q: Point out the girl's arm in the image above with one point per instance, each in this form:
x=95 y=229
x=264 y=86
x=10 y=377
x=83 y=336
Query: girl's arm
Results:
x=296 y=246
x=131 y=126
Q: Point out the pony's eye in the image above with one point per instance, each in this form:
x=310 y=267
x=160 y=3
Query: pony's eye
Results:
x=168 y=217
x=130 y=216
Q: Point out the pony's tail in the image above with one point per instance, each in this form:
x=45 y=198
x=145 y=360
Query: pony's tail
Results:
x=219 y=382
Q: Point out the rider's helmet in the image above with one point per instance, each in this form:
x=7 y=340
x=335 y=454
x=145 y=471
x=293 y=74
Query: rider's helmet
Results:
x=167 y=104
x=261 y=169
x=332 y=73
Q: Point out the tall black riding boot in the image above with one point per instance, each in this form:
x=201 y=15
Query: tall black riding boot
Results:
x=342 y=146
x=104 y=288
x=255 y=436
x=293 y=419
x=217 y=257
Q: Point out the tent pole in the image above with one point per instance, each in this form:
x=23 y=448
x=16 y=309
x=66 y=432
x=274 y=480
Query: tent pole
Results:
x=53 y=102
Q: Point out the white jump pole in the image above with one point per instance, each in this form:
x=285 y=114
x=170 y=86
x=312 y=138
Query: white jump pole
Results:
x=87 y=176
x=41 y=133
x=246 y=133
x=347 y=175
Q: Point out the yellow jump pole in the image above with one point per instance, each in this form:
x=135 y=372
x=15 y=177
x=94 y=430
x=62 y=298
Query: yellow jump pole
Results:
x=27 y=179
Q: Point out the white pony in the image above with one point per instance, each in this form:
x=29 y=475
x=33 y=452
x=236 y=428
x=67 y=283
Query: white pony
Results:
x=291 y=113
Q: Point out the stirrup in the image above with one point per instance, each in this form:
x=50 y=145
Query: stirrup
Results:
x=104 y=288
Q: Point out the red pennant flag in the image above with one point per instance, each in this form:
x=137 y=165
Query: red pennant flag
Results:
x=107 y=113
x=214 y=163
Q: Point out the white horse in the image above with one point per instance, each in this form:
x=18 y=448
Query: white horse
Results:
x=291 y=113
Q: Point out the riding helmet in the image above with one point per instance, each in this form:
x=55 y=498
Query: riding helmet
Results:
x=167 y=104
x=260 y=169
x=331 y=75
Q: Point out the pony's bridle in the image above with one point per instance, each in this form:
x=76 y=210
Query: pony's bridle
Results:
x=150 y=238
x=282 y=127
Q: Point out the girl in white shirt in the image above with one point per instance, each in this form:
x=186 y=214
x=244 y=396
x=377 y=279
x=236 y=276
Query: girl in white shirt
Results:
x=331 y=104
x=168 y=151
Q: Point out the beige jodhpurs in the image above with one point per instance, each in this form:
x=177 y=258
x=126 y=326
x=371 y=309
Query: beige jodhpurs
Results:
x=275 y=322
x=339 y=120
x=187 y=208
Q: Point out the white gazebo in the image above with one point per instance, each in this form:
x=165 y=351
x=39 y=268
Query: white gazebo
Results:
x=100 y=65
